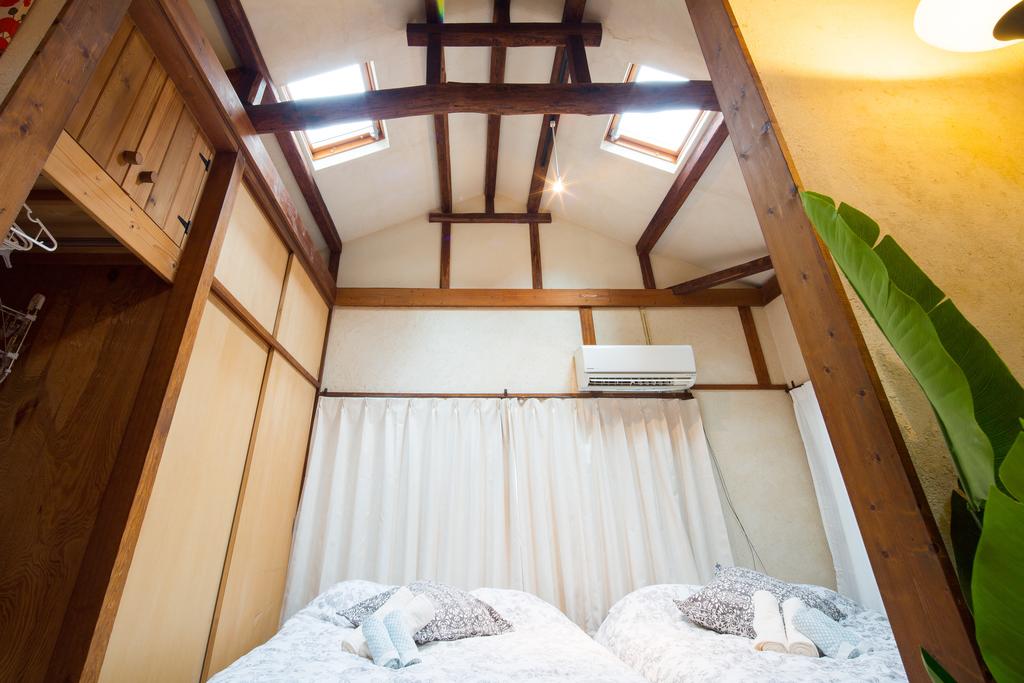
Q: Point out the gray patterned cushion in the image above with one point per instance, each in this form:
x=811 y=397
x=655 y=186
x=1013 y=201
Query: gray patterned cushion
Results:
x=457 y=613
x=725 y=604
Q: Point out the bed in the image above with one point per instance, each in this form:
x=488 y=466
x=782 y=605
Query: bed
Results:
x=647 y=631
x=543 y=646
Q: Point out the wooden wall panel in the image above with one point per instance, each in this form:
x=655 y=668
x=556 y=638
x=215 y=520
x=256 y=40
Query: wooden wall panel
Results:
x=63 y=413
x=253 y=261
x=303 y=321
x=252 y=589
x=163 y=622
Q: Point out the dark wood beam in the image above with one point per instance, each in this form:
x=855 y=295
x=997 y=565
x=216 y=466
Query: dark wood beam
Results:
x=503 y=35
x=922 y=597
x=41 y=100
x=401 y=297
x=754 y=345
x=572 y=12
x=579 y=69
x=244 y=41
x=699 y=160
x=497 y=75
x=446 y=256
x=536 y=273
x=770 y=290
x=646 y=269
x=587 y=333
x=442 y=217
x=723 y=276
x=507 y=99
x=249 y=85
x=435 y=78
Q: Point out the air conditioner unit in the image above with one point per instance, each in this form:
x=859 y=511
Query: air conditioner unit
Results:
x=635 y=368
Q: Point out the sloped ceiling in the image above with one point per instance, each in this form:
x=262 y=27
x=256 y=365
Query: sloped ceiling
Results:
x=608 y=193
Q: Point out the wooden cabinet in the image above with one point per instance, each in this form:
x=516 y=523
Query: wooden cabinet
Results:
x=163 y=622
x=252 y=590
x=302 y=325
x=132 y=121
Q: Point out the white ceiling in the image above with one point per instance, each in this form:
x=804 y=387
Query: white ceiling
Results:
x=610 y=194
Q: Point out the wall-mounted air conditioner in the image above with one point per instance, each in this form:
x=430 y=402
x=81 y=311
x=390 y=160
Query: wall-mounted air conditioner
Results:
x=635 y=368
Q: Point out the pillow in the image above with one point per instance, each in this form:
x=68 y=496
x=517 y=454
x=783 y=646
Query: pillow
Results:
x=457 y=614
x=725 y=605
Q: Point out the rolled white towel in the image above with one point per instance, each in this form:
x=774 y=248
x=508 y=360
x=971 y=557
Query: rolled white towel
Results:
x=417 y=613
x=354 y=642
x=770 y=633
x=796 y=642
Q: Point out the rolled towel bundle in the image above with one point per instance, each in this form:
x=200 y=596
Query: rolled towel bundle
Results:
x=830 y=636
x=796 y=642
x=401 y=637
x=378 y=640
x=417 y=613
x=354 y=640
x=770 y=633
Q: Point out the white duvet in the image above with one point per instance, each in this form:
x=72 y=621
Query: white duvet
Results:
x=647 y=631
x=543 y=646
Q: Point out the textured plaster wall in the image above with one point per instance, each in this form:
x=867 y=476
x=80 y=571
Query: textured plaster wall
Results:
x=928 y=143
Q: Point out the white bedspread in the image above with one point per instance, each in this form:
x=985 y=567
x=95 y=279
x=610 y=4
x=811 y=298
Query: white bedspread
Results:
x=647 y=631
x=543 y=646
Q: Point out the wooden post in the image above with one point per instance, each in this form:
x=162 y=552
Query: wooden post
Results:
x=90 y=615
x=922 y=597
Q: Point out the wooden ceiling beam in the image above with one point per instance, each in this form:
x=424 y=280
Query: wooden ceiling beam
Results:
x=447 y=217
x=435 y=78
x=244 y=41
x=699 y=160
x=501 y=17
x=770 y=290
x=576 y=53
x=483 y=98
x=723 y=276
x=504 y=34
x=402 y=297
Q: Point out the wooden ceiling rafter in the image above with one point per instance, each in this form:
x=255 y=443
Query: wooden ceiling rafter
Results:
x=503 y=33
x=523 y=218
x=724 y=276
x=502 y=16
x=704 y=150
x=435 y=76
x=243 y=40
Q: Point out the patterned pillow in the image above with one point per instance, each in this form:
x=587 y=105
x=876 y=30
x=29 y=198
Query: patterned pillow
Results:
x=725 y=604
x=457 y=614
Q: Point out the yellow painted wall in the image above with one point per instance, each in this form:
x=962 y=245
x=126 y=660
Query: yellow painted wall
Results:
x=930 y=143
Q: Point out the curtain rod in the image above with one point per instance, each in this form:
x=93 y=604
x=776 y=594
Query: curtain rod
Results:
x=682 y=396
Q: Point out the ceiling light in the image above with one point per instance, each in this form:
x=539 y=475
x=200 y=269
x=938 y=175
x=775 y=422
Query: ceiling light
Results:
x=974 y=26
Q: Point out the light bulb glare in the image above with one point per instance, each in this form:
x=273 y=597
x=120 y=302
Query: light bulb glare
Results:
x=558 y=186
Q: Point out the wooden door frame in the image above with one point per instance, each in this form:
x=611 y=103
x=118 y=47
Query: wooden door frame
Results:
x=915 y=576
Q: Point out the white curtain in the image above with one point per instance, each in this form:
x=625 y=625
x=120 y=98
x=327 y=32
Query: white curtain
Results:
x=579 y=501
x=854 y=577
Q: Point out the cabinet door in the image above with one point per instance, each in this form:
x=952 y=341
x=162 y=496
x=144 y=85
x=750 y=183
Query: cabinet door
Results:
x=303 y=321
x=163 y=622
x=249 y=608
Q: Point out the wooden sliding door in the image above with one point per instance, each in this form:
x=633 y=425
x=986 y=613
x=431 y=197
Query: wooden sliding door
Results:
x=163 y=621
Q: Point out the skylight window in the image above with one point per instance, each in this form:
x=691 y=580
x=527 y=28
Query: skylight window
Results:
x=343 y=137
x=660 y=138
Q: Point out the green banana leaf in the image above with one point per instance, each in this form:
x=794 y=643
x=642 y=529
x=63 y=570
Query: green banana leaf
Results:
x=935 y=670
x=1011 y=472
x=998 y=587
x=965 y=532
x=876 y=277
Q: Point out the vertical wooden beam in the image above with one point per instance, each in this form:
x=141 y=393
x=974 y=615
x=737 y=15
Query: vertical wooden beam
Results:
x=89 y=618
x=436 y=76
x=646 y=270
x=587 y=326
x=446 y=256
x=501 y=16
x=36 y=108
x=770 y=290
x=754 y=346
x=535 y=268
x=579 y=69
x=921 y=593
x=573 y=11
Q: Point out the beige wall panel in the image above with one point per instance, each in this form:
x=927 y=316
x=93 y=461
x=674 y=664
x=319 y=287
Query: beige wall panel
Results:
x=303 y=321
x=163 y=623
x=716 y=335
x=755 y=438
x=253 y=586
x=253 y=260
